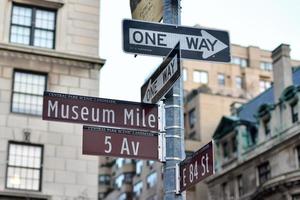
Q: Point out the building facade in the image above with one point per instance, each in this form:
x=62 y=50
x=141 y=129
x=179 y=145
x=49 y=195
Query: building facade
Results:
x=211 y=91
x=46 y=45
x=257 y=150
x=214 y=89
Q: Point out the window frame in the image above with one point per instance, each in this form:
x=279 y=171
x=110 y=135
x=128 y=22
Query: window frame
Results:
x=106 y=181
x=13 y=86
x=153 y=173
x=267 y=127
x=264 y=85
x=221 y=81
x=240 y=185
x=32 y=24
x=192 y=118
x=40 y=169
x=140 y=186
x=294 y=112
x=240 y=80
x=200 y=72
x=266 y=173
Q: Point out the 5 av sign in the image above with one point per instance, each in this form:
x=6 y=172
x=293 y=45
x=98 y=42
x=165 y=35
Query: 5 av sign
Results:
x=120 y=143
x=159 y=39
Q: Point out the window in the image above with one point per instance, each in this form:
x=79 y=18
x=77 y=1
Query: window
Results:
x=33 y=26
x=239 y=82
x=192 y=118
x=266 y=124
x=264 y=172
x=192 y=135
x=225 y=150
x=298 y=155
x=138 y=188
x=225 y=191
x=189 y=154
x=200 y=77
x=294 y=111
x=234 y=144
x=151 y=179
x=184 y=74
x=104 y=179
x=28 y=89
x=263 y=85
x=119 y=181
x=267 y=66
x=242 y=62
x=24 y=166
x=150 y=162
x=221 y=79
x=252 y=136
x=240 y=185
x=123 y=196
x=128 y=177
x=122 y=161
x=296 y=197
x=138 y=167
x=119 y=162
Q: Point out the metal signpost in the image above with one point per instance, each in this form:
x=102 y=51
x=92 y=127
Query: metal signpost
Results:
x=158 y=39
x=197 y=167
x=99 y=111
x=121 y=143
x=174 y=117
x=163 y=78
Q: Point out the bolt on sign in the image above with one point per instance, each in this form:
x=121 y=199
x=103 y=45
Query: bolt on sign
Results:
x=120 y=143
x=197 y=167
x=159 y=39
x=147 y=10
x=99 y=111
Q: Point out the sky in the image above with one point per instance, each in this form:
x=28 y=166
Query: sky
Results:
x=262 y=23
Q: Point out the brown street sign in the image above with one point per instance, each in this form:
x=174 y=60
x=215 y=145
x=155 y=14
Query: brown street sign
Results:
x=99 y=111
x=120 y=143
x=197 y=167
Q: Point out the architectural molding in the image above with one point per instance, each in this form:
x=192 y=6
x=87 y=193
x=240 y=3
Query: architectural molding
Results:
x=50 y=56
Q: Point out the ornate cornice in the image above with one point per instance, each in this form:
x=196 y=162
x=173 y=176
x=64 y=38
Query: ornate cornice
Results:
x=50 y=56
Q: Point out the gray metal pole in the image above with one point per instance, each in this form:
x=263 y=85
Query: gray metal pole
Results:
x=173 y=117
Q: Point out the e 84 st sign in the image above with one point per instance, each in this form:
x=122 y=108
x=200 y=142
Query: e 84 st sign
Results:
x=197 y=167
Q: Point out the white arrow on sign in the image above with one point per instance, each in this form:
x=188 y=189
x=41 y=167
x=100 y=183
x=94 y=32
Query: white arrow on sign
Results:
x=205 y=43
x=154 y=86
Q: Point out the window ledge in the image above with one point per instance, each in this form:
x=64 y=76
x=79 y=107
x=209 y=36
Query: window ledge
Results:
x=16 y=193
x=51 y=55
x=43 y=3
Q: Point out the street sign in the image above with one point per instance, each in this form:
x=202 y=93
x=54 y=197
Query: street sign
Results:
x=194 y=169
x=158 y=39
x=163 y=78
x=120 y=143
x=147 y=10
x=99 y=111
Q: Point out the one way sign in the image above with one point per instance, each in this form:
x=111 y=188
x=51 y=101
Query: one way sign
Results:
x=163 y=78
x=158 y=39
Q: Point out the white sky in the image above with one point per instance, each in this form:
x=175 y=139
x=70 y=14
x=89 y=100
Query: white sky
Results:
x=262 y=23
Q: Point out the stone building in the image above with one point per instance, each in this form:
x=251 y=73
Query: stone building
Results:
x=211 y=91
x=257 y=150
x=46 y=45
